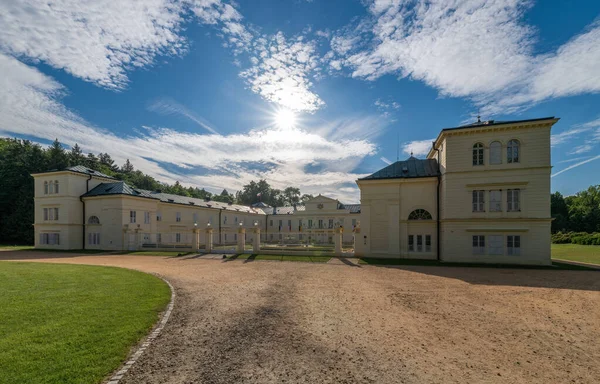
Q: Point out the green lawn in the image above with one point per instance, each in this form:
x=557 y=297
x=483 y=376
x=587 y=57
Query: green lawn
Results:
x=306 y=259
x=72 y=323
x=159 y=253
x=576 y=252
x=4 y=247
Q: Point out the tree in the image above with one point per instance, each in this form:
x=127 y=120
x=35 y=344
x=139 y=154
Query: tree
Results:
x=76 y=156
x=127 y=167
x=224 y=197
x=57 y=157
x=254 y=192
x=306 y=197
x=91 y=161
x=108 y=162
x=291 y=196
x=559 y=212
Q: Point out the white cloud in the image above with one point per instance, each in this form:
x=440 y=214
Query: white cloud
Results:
x=585 y=148
x=282 y=72
x=386 y=160
x=418 y=147
x=96 y=41
x=576 y=165
x=576 y=131
x=383 y=105
x=574 y=159
x=171 y=107
x=482 y=50
x=30 y=105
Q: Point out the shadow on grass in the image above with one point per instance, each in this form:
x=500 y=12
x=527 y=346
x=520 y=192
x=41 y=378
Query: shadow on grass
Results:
x=558 y=275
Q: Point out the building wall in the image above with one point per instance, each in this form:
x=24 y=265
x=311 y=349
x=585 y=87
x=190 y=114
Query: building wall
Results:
x=385 y=209
x=70 y=209
x=531 y=176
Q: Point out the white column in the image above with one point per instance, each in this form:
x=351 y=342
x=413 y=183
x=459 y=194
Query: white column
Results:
x=195 y=239
x=256 y=244
x=359 y=242
x=337 y=240
x=209 y=240
x=241 y=245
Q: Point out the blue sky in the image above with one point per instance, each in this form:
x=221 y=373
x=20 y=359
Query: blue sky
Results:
x=313 y=94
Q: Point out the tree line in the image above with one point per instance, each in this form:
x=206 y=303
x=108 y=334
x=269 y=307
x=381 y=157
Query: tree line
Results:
x=20 y=158
x=576 y=213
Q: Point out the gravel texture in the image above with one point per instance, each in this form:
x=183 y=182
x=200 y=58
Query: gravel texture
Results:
x=291 y=322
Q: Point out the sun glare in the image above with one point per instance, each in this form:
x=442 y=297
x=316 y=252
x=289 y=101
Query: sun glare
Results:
x=285 y=119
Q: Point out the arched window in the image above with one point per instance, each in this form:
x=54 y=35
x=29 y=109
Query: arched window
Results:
x=93 y=220
x=51 y=187
x=496 y=153
x=512 y=151
x=45 y=187
x=419 y=214
x=55 y=186
x=478 y=154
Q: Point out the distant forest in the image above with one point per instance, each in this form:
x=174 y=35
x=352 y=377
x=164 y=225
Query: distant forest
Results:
x=20 y=158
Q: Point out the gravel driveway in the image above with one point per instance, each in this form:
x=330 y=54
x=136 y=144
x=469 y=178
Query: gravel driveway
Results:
x=290 y=322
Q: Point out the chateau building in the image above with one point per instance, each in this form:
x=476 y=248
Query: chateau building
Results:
x=481 y=195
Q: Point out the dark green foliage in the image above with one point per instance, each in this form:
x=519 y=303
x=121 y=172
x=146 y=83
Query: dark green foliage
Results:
x=582 y=238
x=20 y=158
x=578 y=213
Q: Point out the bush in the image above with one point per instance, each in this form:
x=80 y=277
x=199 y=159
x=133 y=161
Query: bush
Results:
x=582 y=238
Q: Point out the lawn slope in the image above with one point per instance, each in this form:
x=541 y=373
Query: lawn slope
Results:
x=72 y=323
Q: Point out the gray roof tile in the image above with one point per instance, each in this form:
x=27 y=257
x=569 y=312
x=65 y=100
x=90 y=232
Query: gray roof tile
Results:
x=410 y=168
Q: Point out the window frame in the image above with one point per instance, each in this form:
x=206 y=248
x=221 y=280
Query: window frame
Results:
x=478 y=244
x=498 y=249
x=132 y=217
x=478 y=151
x=178 y=237
x=513 y=245
x=411 y=243
x=178 y=217
x=46 y=187
x=427 y=243
x=478 y=200
x=513 y=200
x=146 y=217
x=513 y=151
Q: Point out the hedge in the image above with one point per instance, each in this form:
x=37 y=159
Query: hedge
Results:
x=582 y=238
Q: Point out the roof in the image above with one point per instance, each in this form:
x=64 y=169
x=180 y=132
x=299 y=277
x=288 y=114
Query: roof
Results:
x=80 y=169
x=352 y=208
x=409 y=168
x=488 y=123
x=283 y=210
x=122 y=188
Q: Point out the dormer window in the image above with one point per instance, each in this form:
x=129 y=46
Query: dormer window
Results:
x=478 y=154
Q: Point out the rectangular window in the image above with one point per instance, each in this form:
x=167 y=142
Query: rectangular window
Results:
x=309 y=223
x=411 y=243
x=478 y=201
x=158 y=238
x=50 y=214
x=419 y=243
x=495 y=245
x=178 y=237
x=94 y=238
x=513 y=245
x=146 y=217
x=132 y=217
x=320 y=224
x=50 y=238
x=330 y=223
x=512 y=200
x=235 y=237
x=427 y=243
x=478 y=245
x=158 y=216
x=224 y=219
x=178 y=217
x=195 y=218
x=235 y=220
x=495 y=201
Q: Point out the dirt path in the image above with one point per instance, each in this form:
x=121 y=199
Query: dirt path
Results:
x=263 y=322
